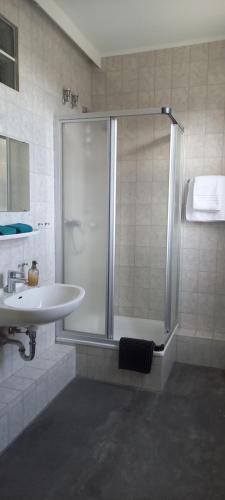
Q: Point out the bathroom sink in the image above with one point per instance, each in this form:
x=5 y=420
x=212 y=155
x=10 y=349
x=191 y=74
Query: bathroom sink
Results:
x=39 y=305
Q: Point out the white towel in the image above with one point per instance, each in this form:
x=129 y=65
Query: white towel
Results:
x=193 y=215
x=207 y=193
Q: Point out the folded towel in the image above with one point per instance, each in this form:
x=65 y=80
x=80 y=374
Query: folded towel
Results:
x=21 y=228
x=4 y=230
x=207 y=193
x=135 y=354
x=193 y=215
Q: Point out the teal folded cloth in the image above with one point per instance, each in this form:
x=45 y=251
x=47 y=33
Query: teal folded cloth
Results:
x=4 y=230
x=21 y=228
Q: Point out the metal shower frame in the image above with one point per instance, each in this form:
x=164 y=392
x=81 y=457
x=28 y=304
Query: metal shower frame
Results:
x=111 y=117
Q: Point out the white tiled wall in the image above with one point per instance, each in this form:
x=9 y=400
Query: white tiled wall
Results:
x=48 y=61
x=102 y=364
x=192 y=81
x=28 y=391
x=200 y=348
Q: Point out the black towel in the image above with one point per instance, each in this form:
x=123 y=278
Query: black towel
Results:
x=136 y=354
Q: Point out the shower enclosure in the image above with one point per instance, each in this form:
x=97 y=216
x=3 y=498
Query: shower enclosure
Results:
x=118 y=223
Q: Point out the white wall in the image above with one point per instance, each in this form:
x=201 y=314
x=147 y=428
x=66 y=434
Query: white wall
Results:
x=48 y=60
x=192 y=81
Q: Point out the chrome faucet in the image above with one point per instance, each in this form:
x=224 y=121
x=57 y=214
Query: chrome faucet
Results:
x=13 y=278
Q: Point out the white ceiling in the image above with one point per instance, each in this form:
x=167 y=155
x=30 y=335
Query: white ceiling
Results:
x=111 y=27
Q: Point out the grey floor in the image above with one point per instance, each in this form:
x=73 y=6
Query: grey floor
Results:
x=103 y=442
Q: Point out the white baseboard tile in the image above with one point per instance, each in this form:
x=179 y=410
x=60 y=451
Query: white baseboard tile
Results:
x=200 y=348
x=29 y=390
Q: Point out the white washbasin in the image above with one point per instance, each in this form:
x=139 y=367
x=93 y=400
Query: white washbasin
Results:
x=41 y=305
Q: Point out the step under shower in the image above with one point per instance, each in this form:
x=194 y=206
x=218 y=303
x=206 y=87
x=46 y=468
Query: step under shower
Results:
x=118 y=223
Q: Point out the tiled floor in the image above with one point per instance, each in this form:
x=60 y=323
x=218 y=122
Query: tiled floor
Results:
x=103 y=442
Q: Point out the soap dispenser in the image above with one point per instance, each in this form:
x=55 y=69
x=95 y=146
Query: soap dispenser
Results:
x=33 y=274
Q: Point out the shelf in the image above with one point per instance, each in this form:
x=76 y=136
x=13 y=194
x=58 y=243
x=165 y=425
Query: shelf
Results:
x=18 y=235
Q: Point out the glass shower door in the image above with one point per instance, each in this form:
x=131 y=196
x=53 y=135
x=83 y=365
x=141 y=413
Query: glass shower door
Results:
x=85 y=179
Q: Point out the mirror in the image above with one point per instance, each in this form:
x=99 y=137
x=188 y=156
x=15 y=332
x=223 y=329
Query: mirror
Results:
x=14 y=175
